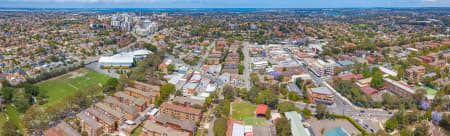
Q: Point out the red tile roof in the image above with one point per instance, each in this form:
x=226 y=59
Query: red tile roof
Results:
x=261 y=109
x=369 y=90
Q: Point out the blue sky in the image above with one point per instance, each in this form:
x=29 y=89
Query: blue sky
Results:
x=221 y=3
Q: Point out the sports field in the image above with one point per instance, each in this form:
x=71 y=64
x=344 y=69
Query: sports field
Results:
x=59 y=87
x=245 y=111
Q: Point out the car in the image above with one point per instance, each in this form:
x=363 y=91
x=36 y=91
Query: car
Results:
x=362 y=111
x=389 y=112
x=371 y=130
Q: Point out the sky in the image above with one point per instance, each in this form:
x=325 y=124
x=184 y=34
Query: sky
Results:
x=220 y=3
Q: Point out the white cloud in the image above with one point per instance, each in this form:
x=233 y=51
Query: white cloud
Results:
x=91 y=1
x=429 y=0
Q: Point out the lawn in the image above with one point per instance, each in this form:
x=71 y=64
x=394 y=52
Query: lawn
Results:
x=15 y=116
x=59 y=87
x=2 y=120
x=430 y=91
x=245 y=111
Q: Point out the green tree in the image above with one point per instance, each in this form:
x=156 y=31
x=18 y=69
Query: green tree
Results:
x=391 y=124
x=293 y=96
x=228 y=92
x=110 y=85
x=170 y=69
x=7 y=94
x=283 y=127
x=306 y=112
x=268 y=114
x=123 y=81
x=321 y=110
x=166 y=90
x=286 y=107
x=377 y=79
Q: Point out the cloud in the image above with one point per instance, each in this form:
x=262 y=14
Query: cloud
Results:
x=429 y=0
x=93 y=1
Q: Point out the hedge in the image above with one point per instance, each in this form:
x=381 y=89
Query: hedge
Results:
x=364 y=132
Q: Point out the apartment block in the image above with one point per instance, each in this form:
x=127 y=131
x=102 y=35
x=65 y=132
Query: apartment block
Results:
x=181 y=112
x=415 y=72
x=92 y=127
x=149 y=97
x=320 y=67
x=320 y=95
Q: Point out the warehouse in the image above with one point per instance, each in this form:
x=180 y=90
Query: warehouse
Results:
x=116 y=62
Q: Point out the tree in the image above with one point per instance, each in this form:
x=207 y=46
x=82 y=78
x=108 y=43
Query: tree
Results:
x=22 y=100
x=286 y=107
x=7 y=94
x=267 y=97
x=293 y=96
x=178 y=93
x=283 y=127
x=220 y=127
x=321 y=110
x=9 y=129
x=166 y=90
x=422 y=129
x=268 y=114
x=391 y=124
x=170 y=69
x=228 y=92
x=110 y=85
x=31 y=89
x=123 y=81
x=254 y=78
x=377 y=79
x=306 y=112
x=419 y=96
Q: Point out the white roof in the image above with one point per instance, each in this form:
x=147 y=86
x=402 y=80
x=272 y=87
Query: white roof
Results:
x=117 y=59
x=387 y=71
x=140 y=52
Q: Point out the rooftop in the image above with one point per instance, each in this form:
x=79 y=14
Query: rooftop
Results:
x=91 y=122
x=322 y=90
x=184 y=124
x=296 y=123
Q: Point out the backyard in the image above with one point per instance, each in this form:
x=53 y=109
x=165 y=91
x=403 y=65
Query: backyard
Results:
x=244 y=111
x=59 y=87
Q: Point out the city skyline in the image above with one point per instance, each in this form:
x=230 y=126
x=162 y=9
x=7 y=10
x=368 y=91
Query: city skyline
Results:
x=220 y=4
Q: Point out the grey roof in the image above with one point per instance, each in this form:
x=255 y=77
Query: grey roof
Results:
x=291 y=87
x=183 y=99
x=322 y=90
x=91 y=122
x=345 y=62
x=151 y=126
x=124 y=107
x=110 y=111
x=184 y=124
x=69 y=131
x=137 y=101
x=101 y=116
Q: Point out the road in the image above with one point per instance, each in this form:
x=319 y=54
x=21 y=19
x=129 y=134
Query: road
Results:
x=247 y=68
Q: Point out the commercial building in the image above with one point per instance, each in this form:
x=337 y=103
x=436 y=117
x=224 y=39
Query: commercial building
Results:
x=415 y=72
x=321 y=68
x=320 y=95
x=181 y=112
x=116 y=62
x=398 y=88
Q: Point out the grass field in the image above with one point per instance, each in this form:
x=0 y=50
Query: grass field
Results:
x=245 y=111
x=15 y=116
x=2 y=120
x=59 y=87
